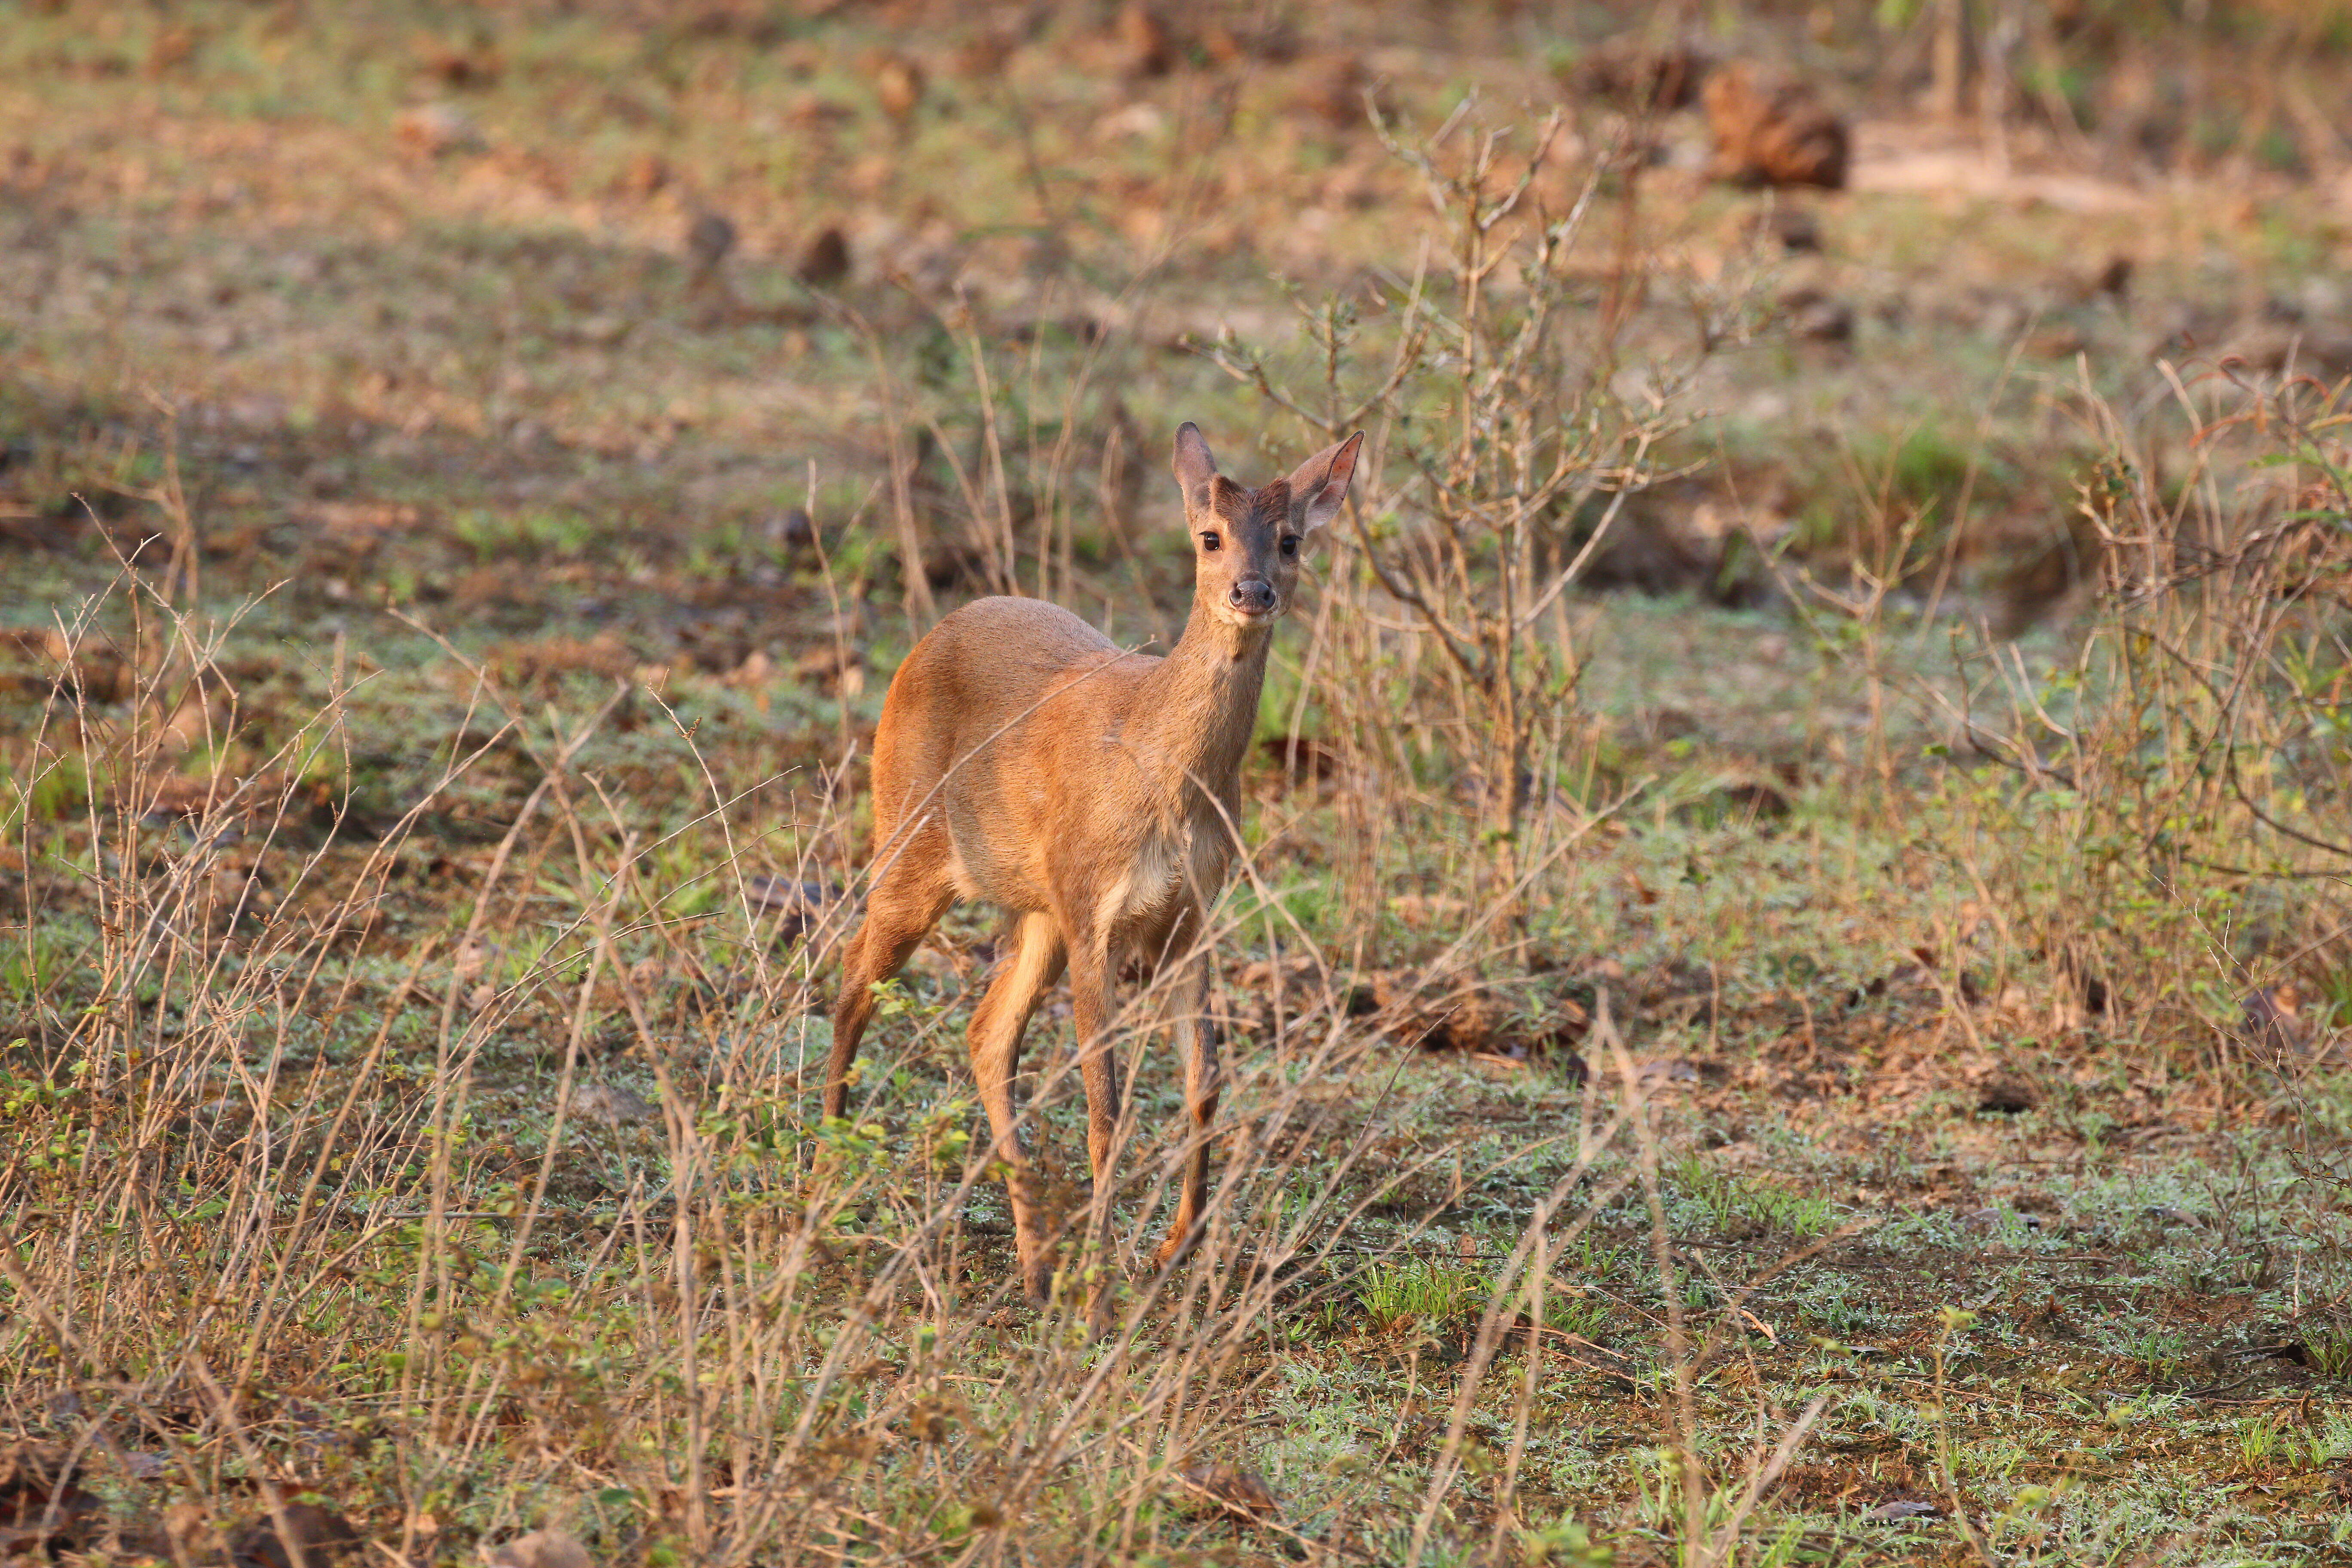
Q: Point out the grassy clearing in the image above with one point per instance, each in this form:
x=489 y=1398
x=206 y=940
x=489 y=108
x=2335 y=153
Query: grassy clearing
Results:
x=1836 y=1086
x=411 y=1106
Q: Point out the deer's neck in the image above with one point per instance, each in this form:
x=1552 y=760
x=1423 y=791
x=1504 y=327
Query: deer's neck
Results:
x=1199 y=708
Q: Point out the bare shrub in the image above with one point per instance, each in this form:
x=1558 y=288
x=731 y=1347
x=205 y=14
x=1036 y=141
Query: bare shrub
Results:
x=1504 y=392
x=2164 y=829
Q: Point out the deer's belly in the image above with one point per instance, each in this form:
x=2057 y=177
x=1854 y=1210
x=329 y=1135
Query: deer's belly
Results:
x=987 y=870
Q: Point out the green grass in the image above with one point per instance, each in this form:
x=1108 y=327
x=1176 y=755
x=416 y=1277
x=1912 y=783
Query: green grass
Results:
x=1409 y=1296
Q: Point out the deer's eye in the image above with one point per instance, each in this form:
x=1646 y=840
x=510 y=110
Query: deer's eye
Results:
x=1290 y=544
x=1212 y=542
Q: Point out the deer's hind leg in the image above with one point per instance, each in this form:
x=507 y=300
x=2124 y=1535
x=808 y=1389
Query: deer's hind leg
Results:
x=1038 y=957
x=910 y=893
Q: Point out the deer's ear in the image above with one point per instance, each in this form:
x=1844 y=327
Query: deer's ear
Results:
x=1194 y=466
x=1320 y=485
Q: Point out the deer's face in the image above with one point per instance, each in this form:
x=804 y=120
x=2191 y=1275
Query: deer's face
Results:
x=1246 y=543
x=1246 y=547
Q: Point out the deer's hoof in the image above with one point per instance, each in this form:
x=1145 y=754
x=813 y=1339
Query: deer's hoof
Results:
x=1175 y=1249
x=1037 y=1284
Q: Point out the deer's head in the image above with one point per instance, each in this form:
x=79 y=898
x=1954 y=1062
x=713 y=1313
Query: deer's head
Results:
x=1246 y=543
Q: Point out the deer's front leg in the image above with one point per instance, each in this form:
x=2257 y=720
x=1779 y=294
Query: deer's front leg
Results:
x=1090 y=982
x=1196 y=1041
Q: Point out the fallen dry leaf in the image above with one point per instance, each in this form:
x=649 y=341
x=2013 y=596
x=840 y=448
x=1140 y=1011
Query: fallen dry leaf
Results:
x=1772 y=128
x=42 y=1507
x=540 y=1549
x=436 y=129
x=1236 y=1490
x=1143 y=36
x=2272 y=1018
x=1894 y=1512
x=312 y=1536
x=610 y=1104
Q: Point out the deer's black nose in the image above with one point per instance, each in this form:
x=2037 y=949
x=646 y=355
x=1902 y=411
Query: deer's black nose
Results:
x=1254 y=595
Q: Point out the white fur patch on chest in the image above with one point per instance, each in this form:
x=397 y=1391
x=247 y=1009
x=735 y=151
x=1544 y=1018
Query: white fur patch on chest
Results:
x=959 y=875
x=1149 y=883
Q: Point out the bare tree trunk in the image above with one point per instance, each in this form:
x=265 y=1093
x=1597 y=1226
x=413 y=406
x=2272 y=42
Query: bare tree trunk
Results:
x=1952 y=93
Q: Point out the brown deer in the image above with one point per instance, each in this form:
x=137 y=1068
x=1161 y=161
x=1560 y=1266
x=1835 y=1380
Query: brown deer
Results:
x=1093 y=794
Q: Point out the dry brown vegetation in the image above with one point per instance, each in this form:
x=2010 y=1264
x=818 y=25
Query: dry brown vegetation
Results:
x=1787 y=997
